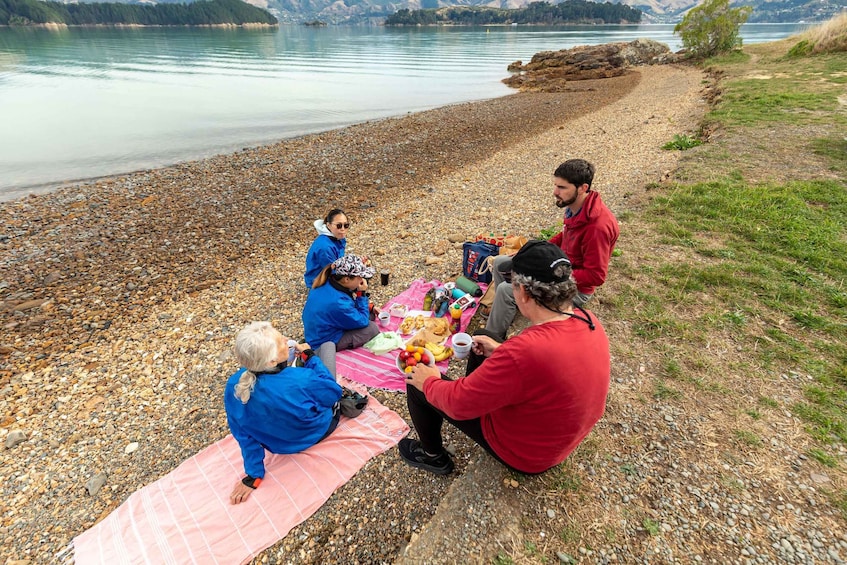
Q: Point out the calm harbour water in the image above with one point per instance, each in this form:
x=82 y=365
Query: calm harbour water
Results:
x=81 y=103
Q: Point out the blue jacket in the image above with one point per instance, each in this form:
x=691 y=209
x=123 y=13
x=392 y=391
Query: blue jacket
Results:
x=287 y=412
x=324 y=250
x=332 y=310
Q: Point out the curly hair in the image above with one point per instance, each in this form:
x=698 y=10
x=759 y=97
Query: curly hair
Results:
x=550 y=295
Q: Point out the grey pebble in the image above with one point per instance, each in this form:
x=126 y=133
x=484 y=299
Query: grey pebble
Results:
x=14 y=438
x=95 y=483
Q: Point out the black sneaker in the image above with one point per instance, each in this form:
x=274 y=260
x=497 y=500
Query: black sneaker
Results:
x=413 y=454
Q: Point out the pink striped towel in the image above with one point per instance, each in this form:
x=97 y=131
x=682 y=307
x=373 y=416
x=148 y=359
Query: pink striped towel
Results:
x=186 y=517
x=381 y=371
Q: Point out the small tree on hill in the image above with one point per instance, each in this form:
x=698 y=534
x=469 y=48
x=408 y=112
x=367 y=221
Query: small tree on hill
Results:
x=712 y=27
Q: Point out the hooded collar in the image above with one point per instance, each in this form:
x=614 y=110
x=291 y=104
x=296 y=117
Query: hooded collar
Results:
x=584 y=213
x=322 y=229
x=337 y=286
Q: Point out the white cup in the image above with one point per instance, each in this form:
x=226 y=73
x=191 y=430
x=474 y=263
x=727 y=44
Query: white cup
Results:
x=384 y=318
x=462 y=343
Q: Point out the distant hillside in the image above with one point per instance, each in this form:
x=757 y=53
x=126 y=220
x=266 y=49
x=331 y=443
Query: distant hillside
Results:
x=772 y=11
x=203 y=12
x=569 y=11
x=654 y=11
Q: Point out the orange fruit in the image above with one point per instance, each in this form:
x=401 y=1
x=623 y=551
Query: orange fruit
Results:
x=408 y=369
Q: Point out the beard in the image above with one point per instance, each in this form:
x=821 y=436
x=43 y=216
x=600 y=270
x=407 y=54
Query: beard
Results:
x=564 y=203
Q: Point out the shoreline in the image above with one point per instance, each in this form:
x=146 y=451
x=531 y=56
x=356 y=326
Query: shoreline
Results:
x=120 y=298
x=62 y=25
x=45 y=188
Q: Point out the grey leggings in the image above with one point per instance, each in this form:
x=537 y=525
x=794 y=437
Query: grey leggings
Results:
x=350 y=339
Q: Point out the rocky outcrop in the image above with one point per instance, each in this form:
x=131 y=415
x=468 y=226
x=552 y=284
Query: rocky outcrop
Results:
x=549 y=71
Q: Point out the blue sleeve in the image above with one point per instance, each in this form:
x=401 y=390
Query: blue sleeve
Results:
x=351 y=314
x=324 y=257
x=326 y=390
x=326 y=251
x=251 y=450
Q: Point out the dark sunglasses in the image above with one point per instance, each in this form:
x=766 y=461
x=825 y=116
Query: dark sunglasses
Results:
x=345 y=226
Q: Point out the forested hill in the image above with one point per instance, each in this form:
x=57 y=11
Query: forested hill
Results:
x=569 y=11
x=202 y=12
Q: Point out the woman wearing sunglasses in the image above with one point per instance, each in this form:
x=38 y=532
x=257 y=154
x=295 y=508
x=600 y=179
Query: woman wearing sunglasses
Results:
x=329 y=245
x=338 y=313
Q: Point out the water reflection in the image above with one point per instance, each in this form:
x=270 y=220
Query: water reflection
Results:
x=117 y=99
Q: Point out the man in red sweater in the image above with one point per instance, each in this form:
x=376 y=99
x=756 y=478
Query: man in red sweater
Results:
x=522 y=401
x=588 y=237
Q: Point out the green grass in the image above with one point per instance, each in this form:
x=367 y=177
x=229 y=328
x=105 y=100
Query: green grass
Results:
x=787 y=93
x=823 y=458
x=838 y=499
x=748 y=438
x=681 y=143
x=834 y=149
x=652 y=527
x=769 y=402
x=767 y=261
x=565 y=479
x=783 y=256
x=664 y=392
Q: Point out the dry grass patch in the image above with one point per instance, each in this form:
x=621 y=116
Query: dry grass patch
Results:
x=829 y=37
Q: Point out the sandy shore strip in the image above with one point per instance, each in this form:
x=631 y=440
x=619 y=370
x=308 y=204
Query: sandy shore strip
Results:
x=120 y=298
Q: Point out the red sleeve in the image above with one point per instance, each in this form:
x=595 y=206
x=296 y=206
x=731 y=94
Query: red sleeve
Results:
x=495 y=384
x=557 y=239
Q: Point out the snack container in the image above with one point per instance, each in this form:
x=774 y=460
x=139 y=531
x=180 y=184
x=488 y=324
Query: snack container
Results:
x=399 y=310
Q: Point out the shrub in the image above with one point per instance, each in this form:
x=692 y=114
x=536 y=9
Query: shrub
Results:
x=712 y=28
x=681 y=143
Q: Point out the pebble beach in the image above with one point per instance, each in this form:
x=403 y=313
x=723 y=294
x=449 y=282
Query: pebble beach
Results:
x=120 y=298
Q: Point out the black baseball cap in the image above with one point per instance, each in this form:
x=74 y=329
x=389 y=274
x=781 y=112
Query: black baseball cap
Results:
x=539 y=259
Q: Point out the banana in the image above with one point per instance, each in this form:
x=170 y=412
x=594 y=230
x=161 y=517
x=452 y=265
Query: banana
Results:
x=448 y=351
x=435 y=348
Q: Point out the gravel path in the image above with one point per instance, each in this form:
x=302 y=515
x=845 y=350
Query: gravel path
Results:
x=120 y=299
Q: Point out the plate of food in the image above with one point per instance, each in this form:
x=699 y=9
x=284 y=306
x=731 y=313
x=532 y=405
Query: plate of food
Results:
x=411 y=356
x=412 y=323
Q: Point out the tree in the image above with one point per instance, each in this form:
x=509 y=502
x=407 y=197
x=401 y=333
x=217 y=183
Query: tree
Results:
x=712 y=27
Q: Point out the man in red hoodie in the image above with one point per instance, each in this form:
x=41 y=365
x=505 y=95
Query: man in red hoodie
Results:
x=588 y=237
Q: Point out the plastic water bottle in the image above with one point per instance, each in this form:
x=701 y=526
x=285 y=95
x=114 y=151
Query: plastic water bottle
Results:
x=455 y=320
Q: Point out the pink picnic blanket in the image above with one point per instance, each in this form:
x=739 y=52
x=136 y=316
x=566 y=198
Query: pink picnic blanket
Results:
x=381 y=371
x=186 y=517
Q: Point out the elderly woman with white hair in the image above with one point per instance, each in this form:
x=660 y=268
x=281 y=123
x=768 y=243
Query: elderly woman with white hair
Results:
x=272 y=406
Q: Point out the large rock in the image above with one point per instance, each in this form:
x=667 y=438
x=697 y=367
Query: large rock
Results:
x=549 y=71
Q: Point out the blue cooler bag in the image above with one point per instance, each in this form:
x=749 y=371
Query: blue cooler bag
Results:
x=476 y=264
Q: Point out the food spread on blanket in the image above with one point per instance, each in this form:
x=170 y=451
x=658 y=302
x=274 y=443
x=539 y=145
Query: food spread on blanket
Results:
x=439 y=352
x=425 y=336
x=438 y=326
x=413 y=355
x=411 y=323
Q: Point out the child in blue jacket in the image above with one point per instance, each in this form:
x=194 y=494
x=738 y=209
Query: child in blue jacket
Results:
x=338 y=314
